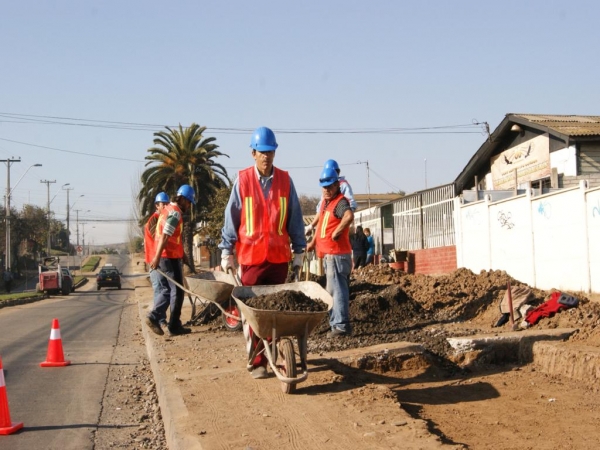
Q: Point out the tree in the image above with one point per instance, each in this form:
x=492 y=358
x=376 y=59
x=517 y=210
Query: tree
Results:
x=182 y=156
x=308 y=204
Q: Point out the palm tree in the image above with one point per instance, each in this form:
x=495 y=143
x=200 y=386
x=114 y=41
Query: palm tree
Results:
x=182 y=156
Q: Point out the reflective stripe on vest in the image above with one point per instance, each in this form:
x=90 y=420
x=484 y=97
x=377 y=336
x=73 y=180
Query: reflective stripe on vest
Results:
x=262 y=235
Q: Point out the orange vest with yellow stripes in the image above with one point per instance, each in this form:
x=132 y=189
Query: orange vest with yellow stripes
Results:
x=174 y=247
x=149 y=243
x=325 y=228
x=263 y=235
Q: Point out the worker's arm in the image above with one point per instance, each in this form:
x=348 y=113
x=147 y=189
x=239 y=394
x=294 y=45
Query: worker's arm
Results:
x=233 y=211
x=295 y=224
x=344 y=224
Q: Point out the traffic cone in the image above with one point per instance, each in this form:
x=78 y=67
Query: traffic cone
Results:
x=55 y=356
x=6 y=426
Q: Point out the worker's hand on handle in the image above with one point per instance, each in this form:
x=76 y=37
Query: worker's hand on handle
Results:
x=308 y=229
x=227 y=263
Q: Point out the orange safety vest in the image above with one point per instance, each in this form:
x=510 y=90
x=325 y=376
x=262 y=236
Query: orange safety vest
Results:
x=174 y=247
x=325 y=228
x=263 y=235
x=149 y=242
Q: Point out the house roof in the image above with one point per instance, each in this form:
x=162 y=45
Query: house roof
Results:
x=561 y=126
x=565 y=125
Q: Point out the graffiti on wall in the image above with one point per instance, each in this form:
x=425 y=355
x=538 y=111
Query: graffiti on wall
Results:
x=545 y=209
x=505 y=220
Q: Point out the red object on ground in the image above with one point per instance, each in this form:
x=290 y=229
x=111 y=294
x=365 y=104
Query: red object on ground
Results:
x=546 y=309
x=6 y=426
x=55 y=356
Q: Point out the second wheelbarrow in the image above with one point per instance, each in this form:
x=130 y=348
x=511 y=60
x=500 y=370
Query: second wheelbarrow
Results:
x=216 y=287
x=277 y=329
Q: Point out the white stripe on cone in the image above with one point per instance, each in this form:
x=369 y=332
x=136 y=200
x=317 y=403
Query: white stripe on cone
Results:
x=55 y=333
x=2 y=382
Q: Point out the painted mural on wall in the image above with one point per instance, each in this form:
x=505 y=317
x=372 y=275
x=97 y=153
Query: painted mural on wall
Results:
x=531 y=160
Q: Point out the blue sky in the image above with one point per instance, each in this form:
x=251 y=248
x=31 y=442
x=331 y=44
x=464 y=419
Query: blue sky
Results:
x=343 y=66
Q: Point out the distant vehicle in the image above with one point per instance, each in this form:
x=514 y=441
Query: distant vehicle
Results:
x=52 y=278
x=67 y=275
x=108 y=276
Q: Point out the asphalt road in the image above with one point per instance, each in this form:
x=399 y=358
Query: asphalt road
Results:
x=60 y=407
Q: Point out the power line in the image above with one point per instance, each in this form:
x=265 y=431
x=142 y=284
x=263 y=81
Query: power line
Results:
x=135 y=126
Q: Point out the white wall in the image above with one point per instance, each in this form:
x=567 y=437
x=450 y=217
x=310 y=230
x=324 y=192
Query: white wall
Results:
x=549 y=241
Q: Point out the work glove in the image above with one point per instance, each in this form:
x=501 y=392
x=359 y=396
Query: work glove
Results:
x=308 y=229
x=227 y=262
x=298 y=260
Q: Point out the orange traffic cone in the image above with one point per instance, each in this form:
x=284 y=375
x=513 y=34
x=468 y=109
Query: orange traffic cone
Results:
x=55 y=356
x=6 y=426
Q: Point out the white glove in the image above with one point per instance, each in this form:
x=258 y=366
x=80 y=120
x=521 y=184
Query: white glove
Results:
x=308 y=229
x=298 y=260
x=227 y=262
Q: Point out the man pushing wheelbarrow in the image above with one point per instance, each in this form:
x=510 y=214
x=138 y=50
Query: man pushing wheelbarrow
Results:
x=262 y=218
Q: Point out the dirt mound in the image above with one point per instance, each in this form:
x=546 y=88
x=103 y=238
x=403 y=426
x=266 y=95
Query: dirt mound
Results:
x=286 y=301
x=388 y=305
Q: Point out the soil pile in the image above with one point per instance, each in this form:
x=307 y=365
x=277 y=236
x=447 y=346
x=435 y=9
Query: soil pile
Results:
x=286 y=301
x=388 y=305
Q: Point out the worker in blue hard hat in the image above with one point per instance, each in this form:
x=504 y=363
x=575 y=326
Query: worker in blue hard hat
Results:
x=168 y=257
x=332 y=244
x=345 y=189
x=160 y=201
x=263 y=219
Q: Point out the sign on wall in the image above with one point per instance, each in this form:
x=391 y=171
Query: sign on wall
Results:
x=531 y=160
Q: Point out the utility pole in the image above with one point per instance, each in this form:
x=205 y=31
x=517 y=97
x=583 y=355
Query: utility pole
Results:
x=68 y=229
x=7 y=206
x=48 y=183
x=368 y=185
x=77 y=225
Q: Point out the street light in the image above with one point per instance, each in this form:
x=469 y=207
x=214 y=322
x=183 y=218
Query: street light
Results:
x=62 y=187
x=77 y=225
x=9 y=192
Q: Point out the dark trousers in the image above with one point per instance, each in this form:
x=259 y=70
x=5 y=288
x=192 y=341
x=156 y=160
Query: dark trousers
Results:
x=360 y=261
x=169 y=294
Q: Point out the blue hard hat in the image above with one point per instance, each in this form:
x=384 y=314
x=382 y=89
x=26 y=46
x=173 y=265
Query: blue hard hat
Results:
x=263 y=140
x=161 y=197
x=328 y=177
x=188 y=192
x=331 y=164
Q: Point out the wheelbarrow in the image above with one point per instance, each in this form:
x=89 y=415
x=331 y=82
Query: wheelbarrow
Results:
x=212 y=289
x=277 y=330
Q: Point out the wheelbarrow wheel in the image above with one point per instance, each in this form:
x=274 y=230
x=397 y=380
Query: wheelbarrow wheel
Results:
x=231 y=324
x=288 y=364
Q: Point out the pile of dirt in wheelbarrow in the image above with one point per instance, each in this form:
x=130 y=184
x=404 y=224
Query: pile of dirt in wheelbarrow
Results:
x=286 y=301
x=388 y=305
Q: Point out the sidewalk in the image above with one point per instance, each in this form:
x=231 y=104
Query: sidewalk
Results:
x=208 y=399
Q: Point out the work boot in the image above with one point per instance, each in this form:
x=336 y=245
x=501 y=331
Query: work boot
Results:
x=336 y=332
x=154 y=326
x=259 y=372
x=178 y=331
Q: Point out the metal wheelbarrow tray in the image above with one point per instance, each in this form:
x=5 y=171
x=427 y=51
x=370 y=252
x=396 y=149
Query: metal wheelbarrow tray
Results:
x=276 y=328
x=212 y=288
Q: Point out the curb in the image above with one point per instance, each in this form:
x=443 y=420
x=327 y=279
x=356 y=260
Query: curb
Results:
x=170 y=399
x=22 y=301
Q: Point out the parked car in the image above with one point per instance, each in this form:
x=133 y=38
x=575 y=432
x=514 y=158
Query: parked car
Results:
x=67 y=275
x=108 y=276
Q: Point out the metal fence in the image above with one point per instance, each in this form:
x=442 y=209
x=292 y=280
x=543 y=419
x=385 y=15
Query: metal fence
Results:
x=425 y=219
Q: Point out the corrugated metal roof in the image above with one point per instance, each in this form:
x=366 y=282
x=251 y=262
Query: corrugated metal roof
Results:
x=567 y=125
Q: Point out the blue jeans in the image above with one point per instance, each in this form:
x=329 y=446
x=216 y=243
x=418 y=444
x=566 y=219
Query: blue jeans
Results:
x=337 y=270
x=154 y=279
x=167 y=293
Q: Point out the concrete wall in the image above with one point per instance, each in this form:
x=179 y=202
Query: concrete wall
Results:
x=548 y=241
